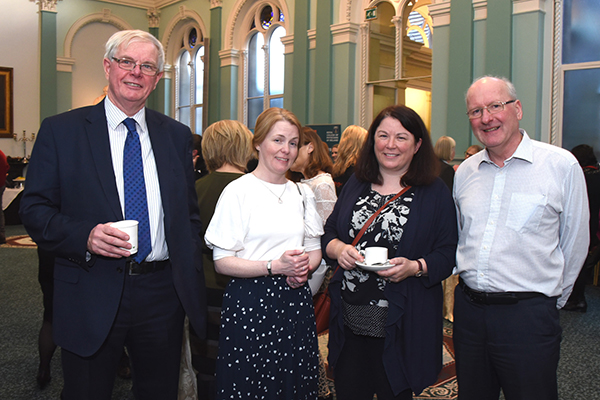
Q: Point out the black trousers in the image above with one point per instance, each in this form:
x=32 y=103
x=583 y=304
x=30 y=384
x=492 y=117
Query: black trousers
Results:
x=515 y=347
x=359 y=372
x=150 y=324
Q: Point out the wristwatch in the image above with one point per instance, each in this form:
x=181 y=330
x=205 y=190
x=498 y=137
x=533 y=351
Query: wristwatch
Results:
x=420 y=271
x=269 y=267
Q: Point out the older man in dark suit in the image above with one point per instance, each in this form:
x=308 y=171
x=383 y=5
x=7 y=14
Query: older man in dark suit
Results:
x=96 y=165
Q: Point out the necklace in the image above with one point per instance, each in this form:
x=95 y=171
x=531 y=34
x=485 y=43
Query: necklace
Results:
x=274 y=194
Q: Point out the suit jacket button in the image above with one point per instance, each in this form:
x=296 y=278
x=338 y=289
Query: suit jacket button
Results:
x=119 y=270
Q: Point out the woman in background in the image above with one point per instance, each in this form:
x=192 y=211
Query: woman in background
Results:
x=588 y=161
x=265 y=234
x=445 y=151
x=385 y=331
x=315 y=165
x=350 y=144
x=226 y=149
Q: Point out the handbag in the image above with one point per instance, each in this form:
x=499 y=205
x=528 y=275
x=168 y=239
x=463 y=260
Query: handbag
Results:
x=322 y=300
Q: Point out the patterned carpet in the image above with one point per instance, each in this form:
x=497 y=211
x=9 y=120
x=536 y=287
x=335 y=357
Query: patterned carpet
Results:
x=22 y=241
x=444 y=389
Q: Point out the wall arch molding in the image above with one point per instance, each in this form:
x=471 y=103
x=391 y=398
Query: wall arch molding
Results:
x=106 y=17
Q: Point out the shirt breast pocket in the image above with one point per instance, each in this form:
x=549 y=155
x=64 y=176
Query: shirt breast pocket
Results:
x=525 y=211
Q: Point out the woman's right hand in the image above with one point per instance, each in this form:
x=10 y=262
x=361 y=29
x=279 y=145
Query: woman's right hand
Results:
x=292 y=263
x=345 y=254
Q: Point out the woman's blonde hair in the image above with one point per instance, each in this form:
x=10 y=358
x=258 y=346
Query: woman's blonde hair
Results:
x=228 y=142
x=353 y=139
x=444 y=148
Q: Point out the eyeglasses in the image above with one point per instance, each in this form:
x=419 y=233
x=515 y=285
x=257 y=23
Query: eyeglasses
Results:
x=129 y=65
x=492 y=108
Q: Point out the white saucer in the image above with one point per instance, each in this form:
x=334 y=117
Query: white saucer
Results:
x=374 y=267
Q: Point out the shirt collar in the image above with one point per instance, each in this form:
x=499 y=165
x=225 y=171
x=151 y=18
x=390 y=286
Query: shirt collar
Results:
x=114 y=116
x=524 y=151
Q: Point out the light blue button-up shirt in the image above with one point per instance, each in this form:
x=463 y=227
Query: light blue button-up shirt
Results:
x=523 y=227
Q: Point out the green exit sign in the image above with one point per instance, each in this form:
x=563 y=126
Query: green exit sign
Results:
x=371 y=13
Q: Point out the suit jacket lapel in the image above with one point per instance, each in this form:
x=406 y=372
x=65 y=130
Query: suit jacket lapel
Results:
x=97 y=132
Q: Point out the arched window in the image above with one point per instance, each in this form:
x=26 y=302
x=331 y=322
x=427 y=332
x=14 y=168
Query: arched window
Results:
x=580 y=74
x=399 y=59
x=264 y=64
x=189 y=99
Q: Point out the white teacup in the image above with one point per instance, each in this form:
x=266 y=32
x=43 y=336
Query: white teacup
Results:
x=375 y=255
x=130 y=227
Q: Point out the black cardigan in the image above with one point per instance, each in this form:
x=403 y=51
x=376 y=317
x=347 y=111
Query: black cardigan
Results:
x=413 y=343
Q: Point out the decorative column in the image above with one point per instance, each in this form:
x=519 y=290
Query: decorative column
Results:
x=48 y=76
x=230 y=62
x=156 y=100
x=213 y=103
x=399 y=69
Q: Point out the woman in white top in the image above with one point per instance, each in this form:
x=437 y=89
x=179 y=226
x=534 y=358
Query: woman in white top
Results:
x=265 y=233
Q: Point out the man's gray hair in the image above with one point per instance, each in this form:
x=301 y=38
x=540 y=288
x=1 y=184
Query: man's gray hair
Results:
x=129 y=36
x=510 y=88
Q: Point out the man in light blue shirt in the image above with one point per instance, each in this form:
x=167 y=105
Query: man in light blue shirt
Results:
x=523 y=236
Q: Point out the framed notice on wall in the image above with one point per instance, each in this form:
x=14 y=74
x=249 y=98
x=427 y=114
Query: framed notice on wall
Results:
x=6 y=102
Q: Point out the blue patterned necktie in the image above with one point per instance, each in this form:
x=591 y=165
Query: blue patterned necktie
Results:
x=136 y=203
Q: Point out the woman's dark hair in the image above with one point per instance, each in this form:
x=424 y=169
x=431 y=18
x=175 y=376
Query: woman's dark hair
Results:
x=319 y=158
x=423 y=168
x=585 y=155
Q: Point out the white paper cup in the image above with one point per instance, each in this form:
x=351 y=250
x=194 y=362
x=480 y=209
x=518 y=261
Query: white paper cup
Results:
x=130 y=227
x=375 y=255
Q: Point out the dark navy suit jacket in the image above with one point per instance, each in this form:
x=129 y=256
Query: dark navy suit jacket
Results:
x=71 y=188
x=413 y=343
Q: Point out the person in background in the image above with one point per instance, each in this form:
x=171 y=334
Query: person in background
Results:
x=523 y=236
x=445 y=151
x=119 y=160
x=472 y=150
x=315 y=165
x=4 y=167
x=200 y=169
x=588 y=161
x=385 y=331
x=350 y=144
x=226 y=150
x=334 y=152
x=265 y=234
x=46 y=345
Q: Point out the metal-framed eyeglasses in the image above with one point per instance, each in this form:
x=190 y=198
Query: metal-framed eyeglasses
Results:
x=129 y=65
x=492 y=108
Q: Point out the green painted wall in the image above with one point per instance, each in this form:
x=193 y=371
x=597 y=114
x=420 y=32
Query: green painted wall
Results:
x=214 y=71
x=439 y=91
x=48 y=76
x=460 y=70
x=528 y=68
x=65 y=98
x=344 y=84
x=498 y=39
x=322 y=100
x=296 y=65
x=229 y=89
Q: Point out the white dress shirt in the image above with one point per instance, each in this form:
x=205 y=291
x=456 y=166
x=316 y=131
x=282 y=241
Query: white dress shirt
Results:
x=117 y=133
x=522 y=227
